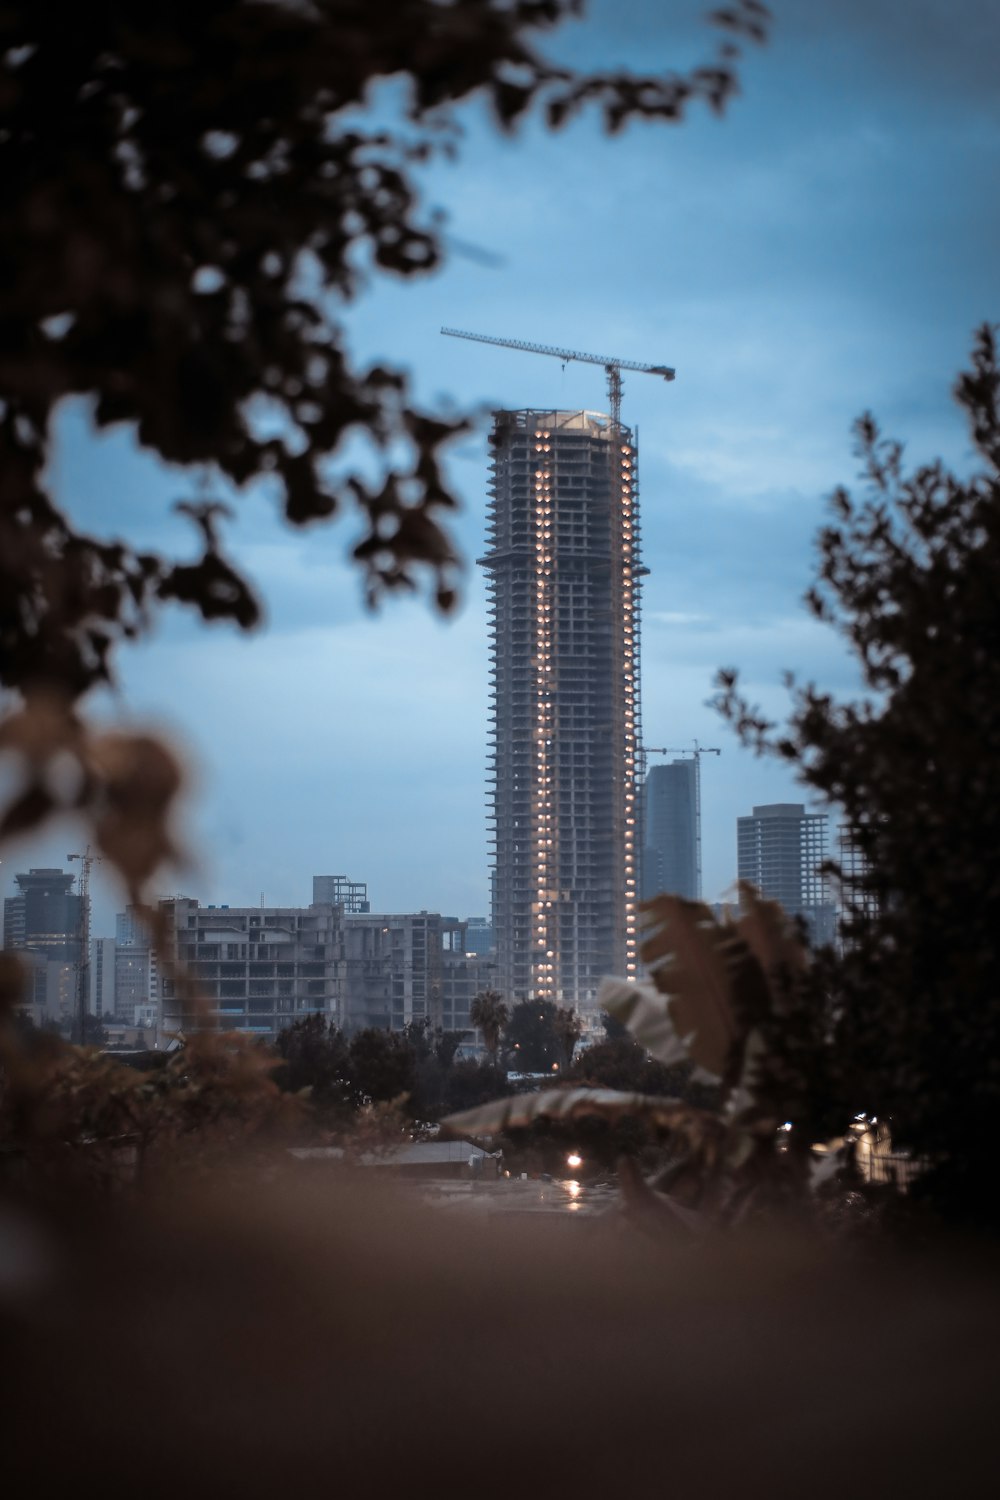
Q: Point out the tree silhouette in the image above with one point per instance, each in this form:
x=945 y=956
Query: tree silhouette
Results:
x=489 y=1012
x=192 y=196
x=910 y=1010
x=540 y=1036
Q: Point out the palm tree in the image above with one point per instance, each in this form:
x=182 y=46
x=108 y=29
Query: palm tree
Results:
x=489 y=1012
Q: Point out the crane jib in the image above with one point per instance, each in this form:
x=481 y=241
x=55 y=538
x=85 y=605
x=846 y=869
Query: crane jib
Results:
x=608 y=361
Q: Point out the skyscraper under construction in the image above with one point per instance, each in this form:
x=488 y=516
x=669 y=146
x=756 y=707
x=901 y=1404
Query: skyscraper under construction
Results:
x=563 y=562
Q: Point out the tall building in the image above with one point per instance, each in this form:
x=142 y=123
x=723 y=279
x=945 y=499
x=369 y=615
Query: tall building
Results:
x=563 y=567
x=44 y=916
x=670 y=831
x=137 y=970
x=858 y=899
x=101 y=977
x=780 y=849
x=49 y=992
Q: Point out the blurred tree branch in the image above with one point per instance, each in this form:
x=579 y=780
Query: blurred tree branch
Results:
x=192 y=194
x=910 y=575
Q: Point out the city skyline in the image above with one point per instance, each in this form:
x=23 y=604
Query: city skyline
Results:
x=798 y=261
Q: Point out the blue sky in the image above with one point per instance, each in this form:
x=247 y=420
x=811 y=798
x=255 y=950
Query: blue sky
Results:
x=827 y=247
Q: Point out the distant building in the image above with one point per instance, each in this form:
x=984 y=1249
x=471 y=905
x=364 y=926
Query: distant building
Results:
x=857 y=896
x=670 y=831
x=42 y=924
x=338 y=890
x=410 y=967
x=137 y=971
x=50 y=992
x=478 y=935
x=780 y=849
x=564 y=571
x=101 y=977
x=45 y=915
x=136 y=982
x=130 y=930
x=856 y=872
x=255 y=969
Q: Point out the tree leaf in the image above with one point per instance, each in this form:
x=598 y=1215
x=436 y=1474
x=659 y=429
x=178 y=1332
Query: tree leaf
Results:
x=690 y=957
x=646 y=1013
x=573 y=1104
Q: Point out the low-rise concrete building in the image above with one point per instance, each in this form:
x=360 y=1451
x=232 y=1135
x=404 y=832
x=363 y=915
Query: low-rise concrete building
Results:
x=410 y=967
x=254 y=969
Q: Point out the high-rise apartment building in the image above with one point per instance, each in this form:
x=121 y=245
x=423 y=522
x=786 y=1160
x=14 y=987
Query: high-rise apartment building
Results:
x=670 y=831
x=43 y=922
x=780 y=849
x=137 y=970
x=101 y=977
x=44 y=916
x=564 y=567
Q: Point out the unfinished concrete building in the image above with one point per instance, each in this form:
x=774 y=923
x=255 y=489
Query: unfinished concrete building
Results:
x=563 y=563
x=408 y=968
x=254 y=969
x=781 y=850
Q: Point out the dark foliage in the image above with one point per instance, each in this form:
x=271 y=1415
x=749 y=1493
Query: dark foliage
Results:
x=540 y=1037
x=383 y=1064
x=191 y=193
x=905 y=1022
x=620 y=1063
x=379 y=1066
x=470 y=1084
x=490 y=1013
x=316 y=1057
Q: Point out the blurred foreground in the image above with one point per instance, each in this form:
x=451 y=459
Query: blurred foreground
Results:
x=259 y=1339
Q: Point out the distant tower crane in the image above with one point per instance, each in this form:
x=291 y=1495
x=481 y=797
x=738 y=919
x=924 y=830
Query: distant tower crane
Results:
x=87 y=861
x=613 y=367
x=695 y=755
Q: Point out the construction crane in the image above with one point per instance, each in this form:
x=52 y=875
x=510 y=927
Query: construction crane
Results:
x=613 y=367
x=695 y=755
x=87 y=861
